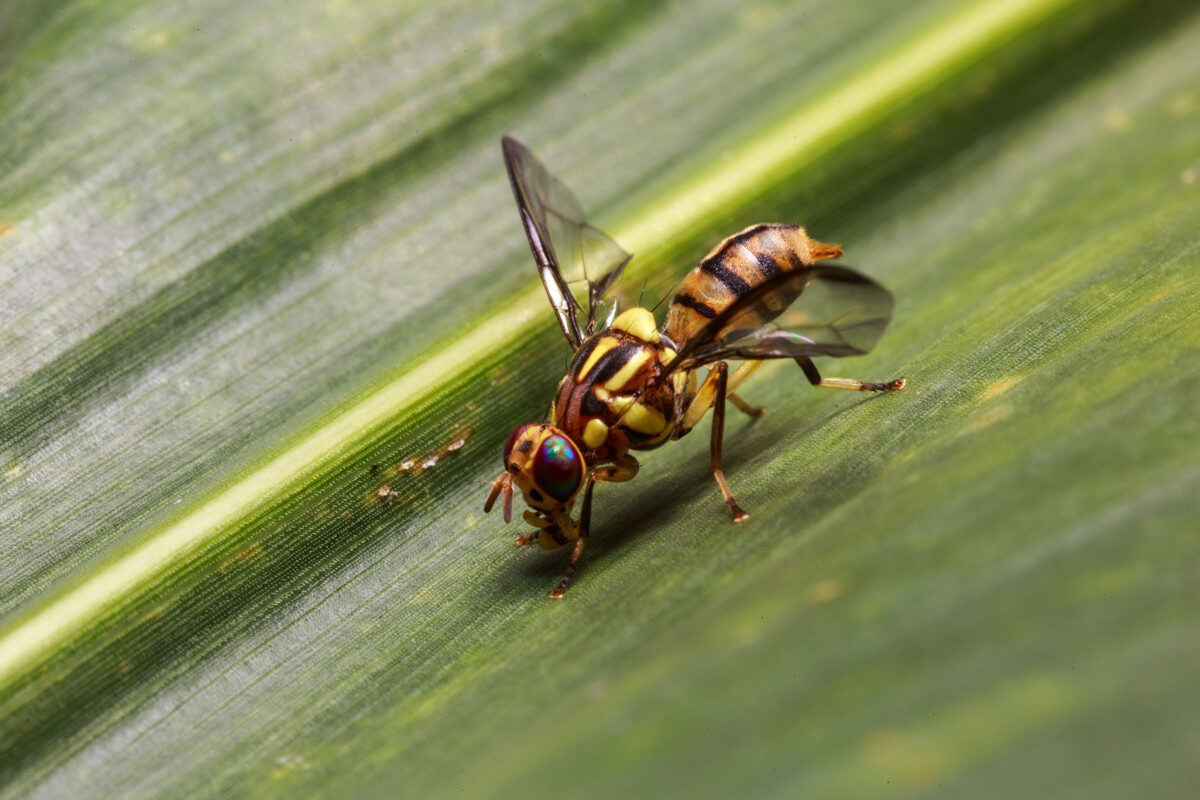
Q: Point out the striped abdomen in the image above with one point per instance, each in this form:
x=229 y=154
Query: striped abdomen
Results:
x=736 y=266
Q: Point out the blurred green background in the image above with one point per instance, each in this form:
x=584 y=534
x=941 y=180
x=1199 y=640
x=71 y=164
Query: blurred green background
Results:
x=256 y=257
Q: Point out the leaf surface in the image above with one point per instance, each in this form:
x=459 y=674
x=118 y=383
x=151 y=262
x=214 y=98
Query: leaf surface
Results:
x=269 y=316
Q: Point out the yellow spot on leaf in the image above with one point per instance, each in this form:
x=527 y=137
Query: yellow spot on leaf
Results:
x=915 y=767
x=824 y=591
x=999 y=387
x=1117 y=120
x=989 y=417
x=882 y=746
x=1182 y=105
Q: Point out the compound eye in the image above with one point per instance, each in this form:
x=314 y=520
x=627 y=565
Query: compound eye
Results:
x=558 y=468
x=512 y=440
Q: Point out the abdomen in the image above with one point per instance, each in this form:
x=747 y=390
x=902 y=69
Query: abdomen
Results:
x=736 y=266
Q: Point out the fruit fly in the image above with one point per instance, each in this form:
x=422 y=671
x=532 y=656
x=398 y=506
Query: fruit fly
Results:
x=759 y=294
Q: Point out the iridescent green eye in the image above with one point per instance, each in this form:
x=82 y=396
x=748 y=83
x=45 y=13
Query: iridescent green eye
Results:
x=558 y=468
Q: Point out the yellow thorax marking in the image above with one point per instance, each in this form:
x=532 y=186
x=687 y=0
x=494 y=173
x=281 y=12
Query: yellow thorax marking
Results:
x=602 y=347
x=639 y=323
x=638 y=416
x=595 y=433
x=625 y=374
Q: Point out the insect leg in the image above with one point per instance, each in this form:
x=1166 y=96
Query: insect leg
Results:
x=814 y=377
x=585 y=520
x=743 y=372
x=712 y=395
x=623 y=469
x=701 y=403
x=706 y=396
x=721 y=370
x=739 y=402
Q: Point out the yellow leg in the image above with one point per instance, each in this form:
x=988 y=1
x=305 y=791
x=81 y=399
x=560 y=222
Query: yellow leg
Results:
x=706 y=395
x=814 y=377
x=739 y=375
x=621 y=470
x=753 y=411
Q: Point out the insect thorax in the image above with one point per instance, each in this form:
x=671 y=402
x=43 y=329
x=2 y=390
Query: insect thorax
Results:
x=610 y=401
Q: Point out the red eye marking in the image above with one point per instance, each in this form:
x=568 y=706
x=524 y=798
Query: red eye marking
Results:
x=512 y=440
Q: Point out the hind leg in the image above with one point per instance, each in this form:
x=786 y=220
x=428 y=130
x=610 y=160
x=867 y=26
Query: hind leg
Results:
x=814 y=377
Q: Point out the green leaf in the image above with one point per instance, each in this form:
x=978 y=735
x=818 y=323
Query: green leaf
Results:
x=269 y=316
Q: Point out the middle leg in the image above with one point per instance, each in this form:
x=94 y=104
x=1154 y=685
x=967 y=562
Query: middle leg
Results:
x=718 y=433
x=712 y=395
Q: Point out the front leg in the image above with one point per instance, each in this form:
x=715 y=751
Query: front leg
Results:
x=622 y=469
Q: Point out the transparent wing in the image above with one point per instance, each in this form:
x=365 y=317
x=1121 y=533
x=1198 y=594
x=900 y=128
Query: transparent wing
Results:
x=823 y=310
x=577 y=263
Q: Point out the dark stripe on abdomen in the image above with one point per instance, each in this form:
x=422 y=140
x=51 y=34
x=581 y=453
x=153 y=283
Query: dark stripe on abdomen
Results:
x=687 y=301
x=733 y=282
x=768 y=266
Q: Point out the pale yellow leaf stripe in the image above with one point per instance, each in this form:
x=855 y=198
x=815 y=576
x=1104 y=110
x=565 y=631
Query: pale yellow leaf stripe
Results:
x=782 y=148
